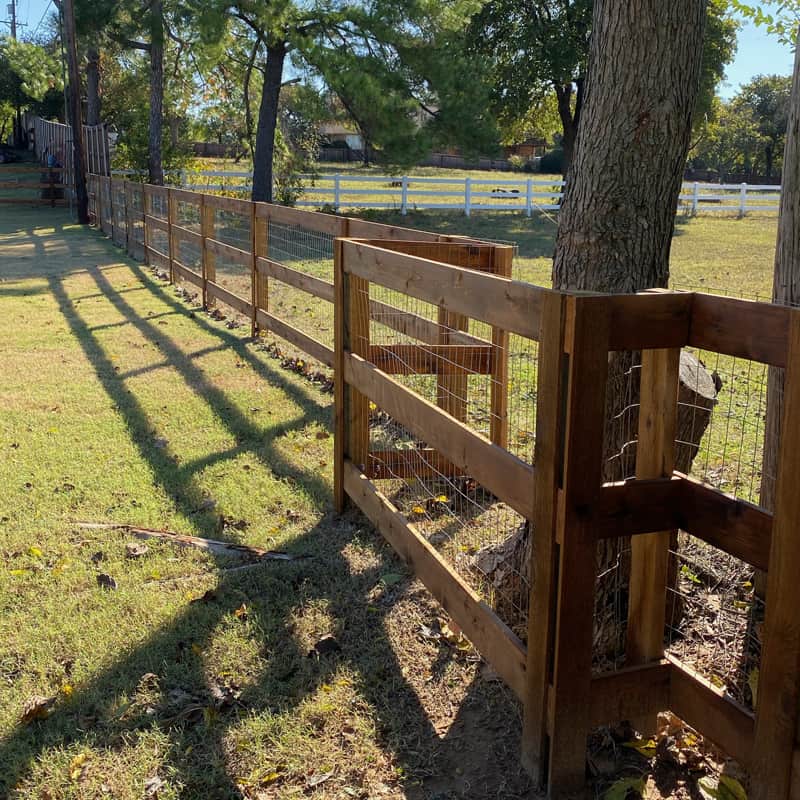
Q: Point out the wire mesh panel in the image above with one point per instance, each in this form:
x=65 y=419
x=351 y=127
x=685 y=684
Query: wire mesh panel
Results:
x=465 y=368
x=119 y=206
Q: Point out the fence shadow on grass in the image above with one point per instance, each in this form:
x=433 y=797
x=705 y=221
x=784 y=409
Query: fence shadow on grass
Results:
x=482 y=742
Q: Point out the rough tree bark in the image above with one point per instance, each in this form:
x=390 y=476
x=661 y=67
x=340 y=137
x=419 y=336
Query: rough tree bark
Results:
x=155 y=166
x=785 y=290
x=618 y=215
x=267 y=122
x=93 y=97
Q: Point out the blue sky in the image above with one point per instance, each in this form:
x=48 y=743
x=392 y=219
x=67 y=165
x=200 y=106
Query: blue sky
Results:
x=759 y=53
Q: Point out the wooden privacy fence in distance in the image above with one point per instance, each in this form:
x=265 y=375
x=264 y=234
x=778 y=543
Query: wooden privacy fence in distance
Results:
x=411 y=375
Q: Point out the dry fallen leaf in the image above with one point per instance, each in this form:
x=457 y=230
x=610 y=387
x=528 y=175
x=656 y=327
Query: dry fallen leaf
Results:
x=37 y=707
x=135 y=550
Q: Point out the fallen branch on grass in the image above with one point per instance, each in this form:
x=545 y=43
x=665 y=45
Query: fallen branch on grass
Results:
x=212 y=545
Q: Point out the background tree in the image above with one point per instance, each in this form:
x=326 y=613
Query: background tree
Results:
x=731 y=141
x=541 y=47
x=766 y=99
x=393 y=39
x=31 y=73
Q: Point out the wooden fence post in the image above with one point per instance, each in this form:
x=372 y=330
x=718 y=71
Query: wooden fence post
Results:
x=351 y=312
x=502 y=264
x=775 y=772
x=146 y=208
x=587 y=337
x=655 y=458
x=261 y=250
x=543 y=567
x=172 y=216
x=207 y=257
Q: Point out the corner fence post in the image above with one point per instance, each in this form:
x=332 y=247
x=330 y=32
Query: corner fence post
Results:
x=587 y=339
x=743 y=200
x=655 y=458
x=550 y=399
x=351 y=336
x=775 y=771
x=695 y=197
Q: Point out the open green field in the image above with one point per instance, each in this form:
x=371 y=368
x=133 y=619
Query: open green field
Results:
x=120 y=402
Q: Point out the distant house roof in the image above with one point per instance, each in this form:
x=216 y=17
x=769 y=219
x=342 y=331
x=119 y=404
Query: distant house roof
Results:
x=336 y=129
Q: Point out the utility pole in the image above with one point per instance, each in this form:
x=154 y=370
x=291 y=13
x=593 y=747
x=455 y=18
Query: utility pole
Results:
x=74 y=98
x=18 y=138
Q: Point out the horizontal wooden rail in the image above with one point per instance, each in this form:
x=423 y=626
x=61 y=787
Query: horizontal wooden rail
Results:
x=311 y=220
x=493 y=467
x=495 y=640
x=300 y=280
x=418 y=327
x=229 y=298
x=510 y=305
x=308 y=344
x=186 y=196
x=30 y=185
x=741 y=328
x=186 y=234
x=229 y=252
x=233 y=204
x=737 y=527
x=187 y=274
x=156 y=222
x=630 y=693
x=418 y=462
x=633 y=507
x=711 y=711
x=477 y=256
x=431 y=359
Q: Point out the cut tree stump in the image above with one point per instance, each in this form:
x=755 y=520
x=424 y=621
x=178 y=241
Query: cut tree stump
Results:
x=506 y=565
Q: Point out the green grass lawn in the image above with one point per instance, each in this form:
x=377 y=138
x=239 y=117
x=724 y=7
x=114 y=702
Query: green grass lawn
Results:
x=121 y=403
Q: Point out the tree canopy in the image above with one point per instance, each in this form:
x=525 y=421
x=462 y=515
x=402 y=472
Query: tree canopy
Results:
x=541 y=47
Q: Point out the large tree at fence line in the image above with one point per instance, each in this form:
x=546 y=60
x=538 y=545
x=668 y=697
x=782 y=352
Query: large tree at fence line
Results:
x=541 y=47
x=392 y=40
x=129 y=26
x=618 y=215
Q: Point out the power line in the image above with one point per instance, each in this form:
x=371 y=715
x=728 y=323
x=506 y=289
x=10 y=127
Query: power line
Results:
x=41 y=19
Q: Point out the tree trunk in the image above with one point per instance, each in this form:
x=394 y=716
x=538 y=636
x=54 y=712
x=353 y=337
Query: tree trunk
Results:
x=618 y=214
x=769 y=152
x=155 y=166
x=569 y=120
x=93 y=99
x=267 y=122
x=785 y=290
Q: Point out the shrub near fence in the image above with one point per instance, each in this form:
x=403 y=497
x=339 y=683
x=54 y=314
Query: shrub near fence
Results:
x=433 y=447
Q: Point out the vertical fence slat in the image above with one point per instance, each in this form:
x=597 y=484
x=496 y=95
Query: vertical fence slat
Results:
x=543 y=575
x=172 y=216
x=261 y=245
x=502 y=264
x=655 y=458
x=779 y=676
x=351 y=314
x=587 y=344
x=207 y=257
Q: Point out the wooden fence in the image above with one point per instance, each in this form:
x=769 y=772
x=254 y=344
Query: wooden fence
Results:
x=560 y=491
x=31 y=184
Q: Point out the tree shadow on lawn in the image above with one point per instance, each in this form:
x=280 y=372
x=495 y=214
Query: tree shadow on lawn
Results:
x=477 y=758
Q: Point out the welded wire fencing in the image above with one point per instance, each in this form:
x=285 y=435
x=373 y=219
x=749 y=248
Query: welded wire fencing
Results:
x=579 y=480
